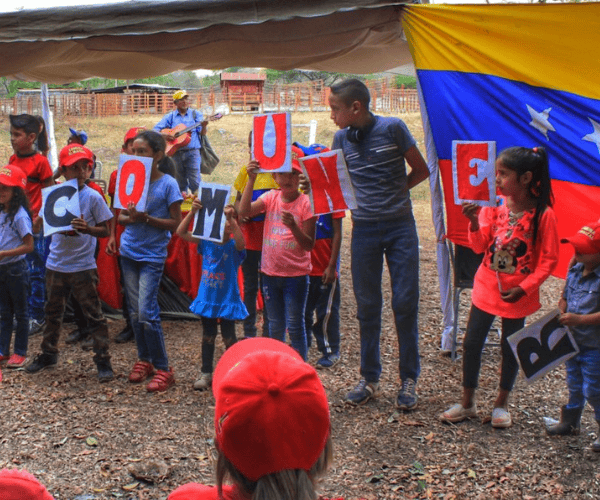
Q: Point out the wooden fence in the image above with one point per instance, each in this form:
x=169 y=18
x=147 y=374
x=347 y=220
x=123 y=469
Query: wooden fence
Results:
x=309 y=96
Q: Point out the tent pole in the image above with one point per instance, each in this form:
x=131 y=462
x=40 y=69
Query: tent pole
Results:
x=48 y=118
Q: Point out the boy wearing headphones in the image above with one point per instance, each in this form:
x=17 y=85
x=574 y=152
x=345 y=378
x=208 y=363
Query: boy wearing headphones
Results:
x=376 y=150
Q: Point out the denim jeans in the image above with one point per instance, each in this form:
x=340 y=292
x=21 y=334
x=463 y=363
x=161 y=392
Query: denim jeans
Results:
x=324 y=299
x=285 y=300
x=252 y=280
x=36 y=261
x=397 y=241
x=14 y=294
x=142 y=280
x=187 y=169
x=583 y=380
x=478 y=327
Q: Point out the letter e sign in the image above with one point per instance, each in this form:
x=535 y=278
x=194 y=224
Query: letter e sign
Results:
x=474 y=172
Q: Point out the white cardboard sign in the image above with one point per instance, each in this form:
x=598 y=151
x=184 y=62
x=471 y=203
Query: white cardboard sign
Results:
x=60 y=205
x=210 y=220
x=133 y=182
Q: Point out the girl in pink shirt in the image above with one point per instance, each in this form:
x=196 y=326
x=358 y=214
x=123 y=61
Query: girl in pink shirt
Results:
x=520 y=241
x=288 y=238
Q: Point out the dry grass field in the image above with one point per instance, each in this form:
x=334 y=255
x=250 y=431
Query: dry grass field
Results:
x=380 y=453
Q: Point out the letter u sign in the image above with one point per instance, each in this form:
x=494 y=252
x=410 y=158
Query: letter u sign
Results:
x=272 y=142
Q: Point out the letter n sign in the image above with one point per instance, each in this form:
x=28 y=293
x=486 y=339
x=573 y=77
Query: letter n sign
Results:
x=272 y=142
x=210 y=220
x=60 y=205
x=474 y=172
x=331 y=188
x=133 y=181
x=542 y=346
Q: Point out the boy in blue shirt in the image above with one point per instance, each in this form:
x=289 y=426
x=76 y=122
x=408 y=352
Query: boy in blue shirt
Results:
x=580 y=307
x=71 y=267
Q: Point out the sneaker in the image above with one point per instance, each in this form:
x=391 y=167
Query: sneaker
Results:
x=458 y=413
x=328 y=361
x=16 y=361
x=140 y=372
x=501 y=418
x=204 y=382
x=162 y=381
x=36 y=326
x=75 y=336
x=41 y=362
x=362 y=392
x=407 y=397
x=105 y=371
x=125 y=335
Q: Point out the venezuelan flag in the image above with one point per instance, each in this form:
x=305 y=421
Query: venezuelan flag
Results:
x=520 y=75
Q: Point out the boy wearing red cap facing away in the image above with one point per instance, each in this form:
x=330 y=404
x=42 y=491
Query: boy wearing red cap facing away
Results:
x=272 y=426
x=16 y=240
x=21 y=485
x=71 y=267
x=580 y=307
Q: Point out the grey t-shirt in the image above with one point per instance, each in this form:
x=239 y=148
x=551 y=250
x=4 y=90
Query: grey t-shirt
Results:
x=378 y=170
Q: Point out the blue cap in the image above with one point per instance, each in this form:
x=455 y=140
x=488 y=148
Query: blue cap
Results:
x=81 y=134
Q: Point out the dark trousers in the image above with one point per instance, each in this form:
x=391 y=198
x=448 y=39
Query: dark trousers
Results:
x=252 y=282
x=324 y=300
x=209 y=336
x=478 y=327
x=83 y=285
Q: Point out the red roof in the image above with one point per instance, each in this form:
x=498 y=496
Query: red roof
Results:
x=243 y=76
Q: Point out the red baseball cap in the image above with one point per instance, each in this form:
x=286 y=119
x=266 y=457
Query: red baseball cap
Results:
x=19 y=485
x=132 y=132
x=12 y=176
x=587 y=239
x=73 y=153
x=271 y=411
x=296 y=153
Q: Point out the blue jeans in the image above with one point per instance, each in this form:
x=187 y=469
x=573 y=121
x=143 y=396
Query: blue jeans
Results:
x=325 y=301
x=14 y=294
x=142 y=281
x=252 y=280
x=36 y=261
x=285 y=300
x=187 y=169
x=583 y=380
x=397 y=240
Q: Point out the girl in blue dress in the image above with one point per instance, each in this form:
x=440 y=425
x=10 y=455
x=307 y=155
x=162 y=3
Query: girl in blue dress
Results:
x=218 y=299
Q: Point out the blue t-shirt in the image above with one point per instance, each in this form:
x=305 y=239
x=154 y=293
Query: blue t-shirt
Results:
x=218 y=293
x=146 y=243
x=74 y=253
x=174 y=118
x=12 y=233
x=377 y=169
x=582 y=294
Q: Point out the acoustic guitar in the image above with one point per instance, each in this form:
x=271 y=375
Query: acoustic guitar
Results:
x=183 y=135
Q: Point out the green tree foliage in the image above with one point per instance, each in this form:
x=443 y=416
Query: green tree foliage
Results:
x=299 y=75
x=409 y=82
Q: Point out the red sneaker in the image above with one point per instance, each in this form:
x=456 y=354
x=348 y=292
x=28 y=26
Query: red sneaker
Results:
x=161 y=381
x=16 y=361
x=140 y=372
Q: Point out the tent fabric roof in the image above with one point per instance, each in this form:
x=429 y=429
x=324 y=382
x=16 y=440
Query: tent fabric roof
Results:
x=132 y=40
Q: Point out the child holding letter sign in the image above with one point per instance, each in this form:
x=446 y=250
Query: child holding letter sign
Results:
x=218 y=299
x=580 y=307
x=520 y=241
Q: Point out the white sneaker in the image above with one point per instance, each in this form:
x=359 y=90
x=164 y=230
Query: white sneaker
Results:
x=204 y=382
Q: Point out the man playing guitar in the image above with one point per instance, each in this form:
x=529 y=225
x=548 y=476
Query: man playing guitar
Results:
x=187 y=159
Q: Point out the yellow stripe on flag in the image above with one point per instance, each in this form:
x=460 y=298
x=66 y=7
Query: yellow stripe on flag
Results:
x=552 y=46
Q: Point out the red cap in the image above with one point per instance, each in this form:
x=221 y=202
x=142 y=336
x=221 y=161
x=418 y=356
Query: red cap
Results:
x=587 y=239
x=12 y=176
x=132 y=132
x=271 y=411
x=296 y=153
x=73 y=153
x=19 y=484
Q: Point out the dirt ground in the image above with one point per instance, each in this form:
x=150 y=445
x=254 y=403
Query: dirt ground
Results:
x=83 y=440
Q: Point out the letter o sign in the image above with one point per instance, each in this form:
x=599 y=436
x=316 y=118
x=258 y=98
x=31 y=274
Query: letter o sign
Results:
x=136 y=169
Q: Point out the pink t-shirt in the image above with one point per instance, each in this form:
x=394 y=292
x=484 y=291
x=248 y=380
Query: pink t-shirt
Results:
x=282 y=255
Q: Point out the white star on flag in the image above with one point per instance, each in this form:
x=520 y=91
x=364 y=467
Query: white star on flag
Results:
x=540 y=120
x=595 y=137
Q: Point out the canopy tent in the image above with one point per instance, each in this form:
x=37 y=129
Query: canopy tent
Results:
x=137 y=39
x=477 y=67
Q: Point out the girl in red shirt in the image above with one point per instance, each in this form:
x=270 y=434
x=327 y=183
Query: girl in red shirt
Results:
x=520 y=241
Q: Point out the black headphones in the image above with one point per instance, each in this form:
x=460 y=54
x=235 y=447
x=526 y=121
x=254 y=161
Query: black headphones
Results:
x=356 y=135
